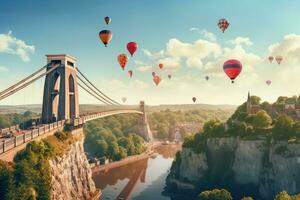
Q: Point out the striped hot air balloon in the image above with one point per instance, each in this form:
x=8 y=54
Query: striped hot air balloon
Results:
x=232 y=68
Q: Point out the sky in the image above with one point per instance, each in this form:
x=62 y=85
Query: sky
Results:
x=183 y=35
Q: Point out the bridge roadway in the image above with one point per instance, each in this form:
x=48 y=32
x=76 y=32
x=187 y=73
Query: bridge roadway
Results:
x=10 y=146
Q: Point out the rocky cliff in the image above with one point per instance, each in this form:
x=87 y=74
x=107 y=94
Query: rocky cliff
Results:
x=71 y=177
x=255 y=167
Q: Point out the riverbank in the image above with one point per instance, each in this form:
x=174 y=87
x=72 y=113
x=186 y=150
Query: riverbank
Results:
x=130 y=159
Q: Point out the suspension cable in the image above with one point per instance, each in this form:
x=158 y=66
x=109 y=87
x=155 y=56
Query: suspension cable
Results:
x=28 y=83
x=91 y=93
x=115 y=102
x=97 y=94
x=23 y=80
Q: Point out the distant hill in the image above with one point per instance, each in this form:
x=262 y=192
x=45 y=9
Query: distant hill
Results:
x=184 y=107
x=37 y=108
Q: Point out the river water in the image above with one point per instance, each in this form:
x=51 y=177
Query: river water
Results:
x=142 y=180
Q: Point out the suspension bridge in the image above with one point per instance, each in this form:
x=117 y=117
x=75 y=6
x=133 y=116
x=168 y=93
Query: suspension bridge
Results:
x=61 y=105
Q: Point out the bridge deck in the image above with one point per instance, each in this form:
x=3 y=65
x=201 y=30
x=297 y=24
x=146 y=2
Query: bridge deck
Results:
x=10 y=146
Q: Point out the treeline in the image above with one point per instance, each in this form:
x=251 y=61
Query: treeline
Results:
x=222 y=194
x=28 y=178
x=7 y=120
x=113 y=137
x=164 y=120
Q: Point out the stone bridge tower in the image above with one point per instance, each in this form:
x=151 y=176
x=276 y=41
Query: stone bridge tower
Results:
x=143 y=124
x=60 y=100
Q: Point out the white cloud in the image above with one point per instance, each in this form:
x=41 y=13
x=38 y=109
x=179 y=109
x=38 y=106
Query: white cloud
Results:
x=170 y=62
x=153 y=56
x=3 y=69
x=288 y=48
x=206 y=34
x=145 y=68
x=12 y=45
x=241 y=40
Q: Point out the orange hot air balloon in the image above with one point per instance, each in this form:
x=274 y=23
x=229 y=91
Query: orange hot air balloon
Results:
x=161 y=65
x=194 y=99
x=107 y=20
x=156 y=79
x=105 y=36
x=130 y=72
x=132 y=47
x=122 y=59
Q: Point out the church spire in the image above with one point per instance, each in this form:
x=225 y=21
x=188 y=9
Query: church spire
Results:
x=249 y=103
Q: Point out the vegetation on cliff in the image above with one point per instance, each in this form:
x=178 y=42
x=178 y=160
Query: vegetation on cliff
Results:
x=29 y=176
x=113 y=137
x=222 y=194
x=164 y=120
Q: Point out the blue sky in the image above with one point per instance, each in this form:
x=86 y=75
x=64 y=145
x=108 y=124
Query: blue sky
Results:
x=160 y=27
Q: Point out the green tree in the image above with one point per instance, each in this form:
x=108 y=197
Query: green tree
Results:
x=283 y=196
x=281 y=100
x=255 y=100
x=7 y=189
x=101 y=148
x=247 y=198
x=216 y=194
x=283 y=127
x=113 y=150
x=262 y=120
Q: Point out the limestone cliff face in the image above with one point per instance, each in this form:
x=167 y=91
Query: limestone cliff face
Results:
x=71 y=175
x=246 y=166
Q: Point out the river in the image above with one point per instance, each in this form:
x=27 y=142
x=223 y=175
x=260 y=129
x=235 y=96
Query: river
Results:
x=141 y=180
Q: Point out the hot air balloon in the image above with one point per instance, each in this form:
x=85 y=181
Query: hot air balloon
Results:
x=270 y=58
x=232 y=68
x=268 y=82
x=122 y=59
x=161 y=65
x=130 y=72
x=153 y=74
x=194 y=99
x=107 y=20
x=278 y=59
x=105 y=36
x=169 y=76
x=124 y=99
x=132 y=47
x=156 y=79
x=223 y=24
x=207 y=78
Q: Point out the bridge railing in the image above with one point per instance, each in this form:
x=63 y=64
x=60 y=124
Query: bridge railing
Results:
x=28 y=135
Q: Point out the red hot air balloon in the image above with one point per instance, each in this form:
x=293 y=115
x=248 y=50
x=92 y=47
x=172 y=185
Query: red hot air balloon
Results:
x=107 y=20
x=130 y=72
x=278 y=59
x=194 y=99
x=122 y=59
x=232 y=68
x=156 y=79
x=223 y=24
x=105 y=36
x=268 y=82
x=132 y=47
x=270 y=58
x=161 y=65
x=153 y=74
